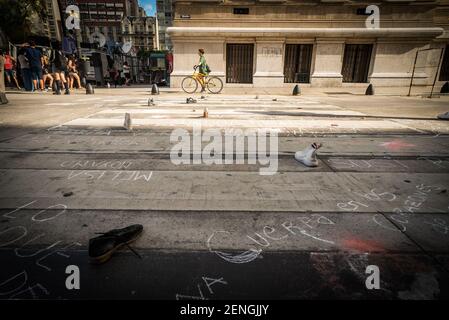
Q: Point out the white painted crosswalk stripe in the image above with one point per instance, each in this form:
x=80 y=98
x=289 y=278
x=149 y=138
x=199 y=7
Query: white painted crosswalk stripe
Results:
x=186 y=112
x=223 y=123
x=283 y=114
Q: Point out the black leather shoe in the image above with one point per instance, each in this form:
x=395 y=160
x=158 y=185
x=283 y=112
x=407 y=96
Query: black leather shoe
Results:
x=102 y=247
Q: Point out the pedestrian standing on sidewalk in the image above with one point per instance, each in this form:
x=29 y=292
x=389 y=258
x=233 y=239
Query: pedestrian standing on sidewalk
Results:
x=59 y=66
x=126 y=73
x=73 y=73
x=47 y=72
x=113 y=74
x=10 y=74
x=2 y=79
x=34 y=57
x=25 y=70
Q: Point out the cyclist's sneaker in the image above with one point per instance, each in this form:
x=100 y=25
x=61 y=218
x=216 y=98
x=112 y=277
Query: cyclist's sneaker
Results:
x=190 y=100
x=308 y=155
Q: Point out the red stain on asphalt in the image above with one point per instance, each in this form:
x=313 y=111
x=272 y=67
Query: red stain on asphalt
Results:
x=396 y=145
x=362 y=245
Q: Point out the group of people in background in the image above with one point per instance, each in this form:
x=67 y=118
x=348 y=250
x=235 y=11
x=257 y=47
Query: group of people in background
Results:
x=42 y=70
x=39 y=69
x=120 y=74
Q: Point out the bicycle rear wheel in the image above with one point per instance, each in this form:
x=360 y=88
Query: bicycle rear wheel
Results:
x=214 y=85
x=189 y=85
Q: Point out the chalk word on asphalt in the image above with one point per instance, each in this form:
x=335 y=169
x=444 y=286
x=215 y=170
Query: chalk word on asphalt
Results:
x=208 y=282
x=234 y=143
x=18 y=286
x=441 y=163
x=439 y=225
x=96 y=164
x=372 y=195
x=50 y=213
x=265 y=238
x=111 y=175
x=413 y=202
x=341 y=163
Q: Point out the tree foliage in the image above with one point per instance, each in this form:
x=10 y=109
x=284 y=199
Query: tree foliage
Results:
x=16 y=15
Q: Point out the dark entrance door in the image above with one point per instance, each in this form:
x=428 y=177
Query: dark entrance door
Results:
x=239 y=63
x=356 y=62
x=298 y=59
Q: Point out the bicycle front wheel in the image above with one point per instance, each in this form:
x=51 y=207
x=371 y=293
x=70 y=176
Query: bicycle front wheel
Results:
x=214 y=85
x=189 y=85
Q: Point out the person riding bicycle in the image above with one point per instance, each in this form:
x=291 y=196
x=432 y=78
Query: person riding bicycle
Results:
x=203 y=69
x=201 y=75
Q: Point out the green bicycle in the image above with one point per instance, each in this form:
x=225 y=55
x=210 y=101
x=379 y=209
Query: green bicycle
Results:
x=190 y=84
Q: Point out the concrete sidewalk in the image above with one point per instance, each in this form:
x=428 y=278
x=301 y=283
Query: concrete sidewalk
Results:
x=306 y=89
x=302 y=115
x=378 y=197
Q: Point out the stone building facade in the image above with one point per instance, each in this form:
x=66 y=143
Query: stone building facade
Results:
x=319 y=43
x=164 y=14
x=105 y=16
x=139 y=30
x=119 y=21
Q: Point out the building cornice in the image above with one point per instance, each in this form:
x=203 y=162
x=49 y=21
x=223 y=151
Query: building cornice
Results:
x=422 y=32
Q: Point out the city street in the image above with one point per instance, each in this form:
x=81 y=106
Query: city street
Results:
x=69 y=169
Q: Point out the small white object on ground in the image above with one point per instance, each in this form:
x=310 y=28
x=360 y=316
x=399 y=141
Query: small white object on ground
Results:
x=308 y=155
x=444 y=116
